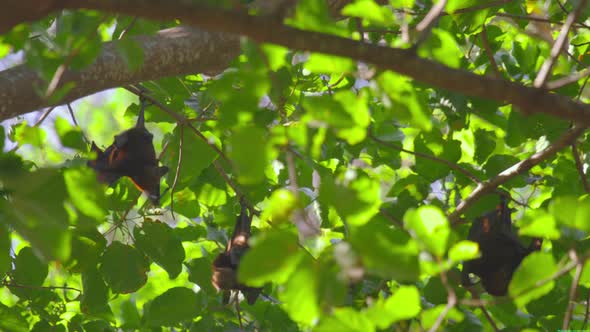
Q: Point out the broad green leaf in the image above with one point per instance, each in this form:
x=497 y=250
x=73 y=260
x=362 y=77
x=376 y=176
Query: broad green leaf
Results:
x=176 y=305
x=11 y=319
x=30 y=272
x=272 y=258
x=29 y=269
x=24 y=134
x=280 y=205
x=300 y=293
x=87 y=247
x=199 y=272
x=430 y=226
x=95 y=295
x=329 y=64
x=124 y=268
x=158 y=241
x=571 y=211
x=408 y=104
x=485 y=144
x=346 y=319
x=36 y=210
x=524 y=286
x=463 y=251
x=538 y=223
x=356 y=201
x=249 y=154
x=429 y=316
x=368 y=10
x=276 y=55
x=85 y=193
x=403 y=304
x=346 y=113
x=443 y=47
x=386 y=252
x=5 y=245
x=197 y=155
x=70 y=136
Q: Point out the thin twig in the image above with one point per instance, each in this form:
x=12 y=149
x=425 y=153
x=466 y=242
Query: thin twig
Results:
x=573 y=291
x=580 y=167
x=44 y=116
x=487 y=315
x=573 y=78
x=545 y=70
x=483 y=188
x=433 y=14
x=177 y=171
x=587 y=313
x=451 y=165
x=15 y=285
x=127 y=28
x=451 y=300
x=486 y=46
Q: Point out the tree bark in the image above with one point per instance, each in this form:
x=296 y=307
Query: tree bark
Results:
x=175 y=51
x=269 y=29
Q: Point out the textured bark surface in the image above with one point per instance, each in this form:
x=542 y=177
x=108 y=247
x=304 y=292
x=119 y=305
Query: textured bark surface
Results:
x=175 y=51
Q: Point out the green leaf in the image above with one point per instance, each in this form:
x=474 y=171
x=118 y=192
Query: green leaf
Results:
x=430 y=226
x=272 y=258
x=300 y=293
x=176 y=305
x=24 y=134
x=249 y=154
x=571 y=211
x=368 y=10
x=85 y=193
x=534 y=268
x=158 y=241
x=131 y=52
x=463 y=251
x=95 y=295
x=87 y=247
x=70 y=136
x=35 y=214
x=12 y=319
x=346 y=113
x=442 y=47
x=197 y=155
x=538 y=223
x=403 y=304
x=199 y=272
x=408 y=103
x=329 y=64
x=30 y=271
x=346 y=319
x=485 y=144
x=124 y=268
x=280 y=205
x=357 y=200
x=387 y=252
x=5 y=245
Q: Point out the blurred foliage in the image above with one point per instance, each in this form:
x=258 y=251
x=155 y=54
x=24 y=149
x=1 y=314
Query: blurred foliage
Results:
x=352 y=233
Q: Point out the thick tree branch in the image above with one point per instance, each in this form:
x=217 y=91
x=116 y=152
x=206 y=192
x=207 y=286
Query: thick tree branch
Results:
x=170 y=52
x=516 y=169
x=268 y=29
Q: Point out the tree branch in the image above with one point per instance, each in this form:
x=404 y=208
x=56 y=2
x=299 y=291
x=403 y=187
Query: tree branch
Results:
x=170 y=52
x=516 y=169
x=268 y=29
x=545 y=70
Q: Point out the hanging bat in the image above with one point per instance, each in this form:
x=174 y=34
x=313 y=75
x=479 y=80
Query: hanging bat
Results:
x=225 y=265
x=132 y=154
x=501 y=250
